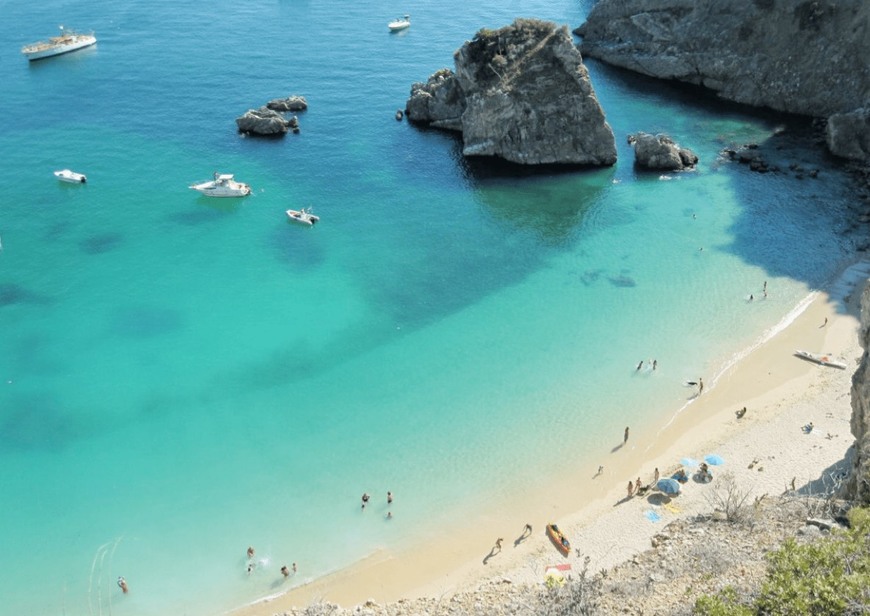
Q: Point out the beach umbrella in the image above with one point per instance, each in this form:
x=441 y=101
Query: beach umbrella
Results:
x=714 y=459
x=690 y=462
x=668 y=486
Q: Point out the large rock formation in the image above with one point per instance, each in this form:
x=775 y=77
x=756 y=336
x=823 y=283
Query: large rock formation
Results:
x=263 y=121
x=848 y=134
x=659 y=152
x=858 y=485
x=521 y=93
x=801 y=56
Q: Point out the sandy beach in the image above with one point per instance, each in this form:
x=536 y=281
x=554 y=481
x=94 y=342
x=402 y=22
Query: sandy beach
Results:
x=766 y=451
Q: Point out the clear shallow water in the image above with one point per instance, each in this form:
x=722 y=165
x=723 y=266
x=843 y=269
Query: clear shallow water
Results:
x=181 y=378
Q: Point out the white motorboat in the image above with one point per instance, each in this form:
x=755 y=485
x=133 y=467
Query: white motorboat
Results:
x=67 y=41
x=303 y=216
x=65 y=175
x=821 y=359
x=223 y=185
x=400 y=23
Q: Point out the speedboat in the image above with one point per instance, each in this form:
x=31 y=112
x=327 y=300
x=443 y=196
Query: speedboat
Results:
x=223 y=185
x=65 y=175
x=56 y=45
x=303 y=216
x=399 y=23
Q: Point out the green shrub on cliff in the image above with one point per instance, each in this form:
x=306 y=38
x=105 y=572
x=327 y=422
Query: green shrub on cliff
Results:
x=830 y=576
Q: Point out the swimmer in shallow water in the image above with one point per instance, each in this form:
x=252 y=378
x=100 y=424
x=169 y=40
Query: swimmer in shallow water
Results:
x=122 y=584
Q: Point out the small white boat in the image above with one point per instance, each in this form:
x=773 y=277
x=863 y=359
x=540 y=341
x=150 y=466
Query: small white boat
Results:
x=223 y=185
x=65 y=175
x=821 y=359
x=303 y=216
x=67 y=41
x=400 y=23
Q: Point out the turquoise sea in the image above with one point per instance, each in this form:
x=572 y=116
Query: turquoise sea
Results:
x=182 y=377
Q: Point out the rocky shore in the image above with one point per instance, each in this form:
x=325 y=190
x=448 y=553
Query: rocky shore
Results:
x=797 y=56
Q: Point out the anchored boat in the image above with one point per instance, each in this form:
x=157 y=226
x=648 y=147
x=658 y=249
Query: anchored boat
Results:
x=67 y=41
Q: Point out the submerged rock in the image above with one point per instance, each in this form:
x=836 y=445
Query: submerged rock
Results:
x=520 y=93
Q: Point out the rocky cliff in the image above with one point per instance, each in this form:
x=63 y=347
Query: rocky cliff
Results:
x=800 y=56
x=858 y=485
x=520 y=93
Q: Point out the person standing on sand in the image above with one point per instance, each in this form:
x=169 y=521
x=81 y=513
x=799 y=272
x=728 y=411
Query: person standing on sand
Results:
x=630 y=488
x=625 y=437
x=656 y=475
x=498 y=543
x=700 y=386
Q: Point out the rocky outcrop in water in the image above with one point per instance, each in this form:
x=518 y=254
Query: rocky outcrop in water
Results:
x=520 y=93
x=857 y=487
x=263 y=121
x=800 y=56
x=291 y=103
x=848 y=134
x=659 y=152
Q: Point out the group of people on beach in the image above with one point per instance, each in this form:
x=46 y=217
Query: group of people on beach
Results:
x=637 y=487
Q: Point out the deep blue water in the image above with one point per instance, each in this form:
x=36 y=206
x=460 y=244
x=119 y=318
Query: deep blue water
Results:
x=181 y=378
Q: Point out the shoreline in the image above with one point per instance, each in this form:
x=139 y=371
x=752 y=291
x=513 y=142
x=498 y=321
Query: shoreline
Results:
x=764 y=451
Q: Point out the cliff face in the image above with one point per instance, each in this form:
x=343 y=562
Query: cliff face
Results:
x=520 y=93
x=858 y=485
x=800 y=56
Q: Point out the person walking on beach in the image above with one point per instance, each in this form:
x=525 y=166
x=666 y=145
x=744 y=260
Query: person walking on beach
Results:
x=625 y=437
x=630 y=488
x=656 y=475
x=498 y=543
x=700 y=386
x=527 y=530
